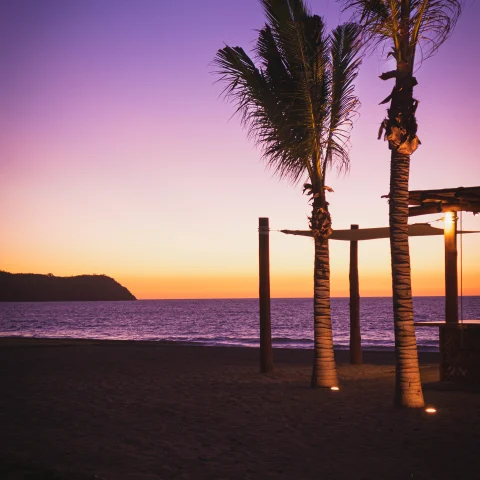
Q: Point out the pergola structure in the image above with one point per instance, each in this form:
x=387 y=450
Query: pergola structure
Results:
x=461 y=199
x=452 y=333
x=459 y=340
x=423 y=202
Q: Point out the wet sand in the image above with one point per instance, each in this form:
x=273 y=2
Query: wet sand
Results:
x=147 y=410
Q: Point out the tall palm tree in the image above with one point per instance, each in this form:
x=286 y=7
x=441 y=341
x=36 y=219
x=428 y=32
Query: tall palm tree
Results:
x=298 y=103
x=406 y=26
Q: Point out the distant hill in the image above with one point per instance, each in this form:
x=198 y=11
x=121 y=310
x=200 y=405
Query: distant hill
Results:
x=30 y=287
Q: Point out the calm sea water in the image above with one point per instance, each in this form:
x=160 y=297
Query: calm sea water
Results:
x=218 y=322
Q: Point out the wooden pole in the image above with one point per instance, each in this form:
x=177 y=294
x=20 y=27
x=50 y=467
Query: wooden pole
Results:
x=355 y=337
x=451 y=282
x=266 y=353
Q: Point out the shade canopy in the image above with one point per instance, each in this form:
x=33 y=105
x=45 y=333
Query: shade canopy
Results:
x=415 y=230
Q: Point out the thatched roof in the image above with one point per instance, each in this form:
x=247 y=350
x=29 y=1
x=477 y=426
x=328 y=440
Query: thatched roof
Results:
x=461 y=199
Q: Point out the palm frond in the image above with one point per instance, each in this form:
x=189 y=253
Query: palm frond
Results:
x=345 y=61
x=287 y=19
x=262 y=113
x=296 y=101
x=430 y=23
x=379 y=20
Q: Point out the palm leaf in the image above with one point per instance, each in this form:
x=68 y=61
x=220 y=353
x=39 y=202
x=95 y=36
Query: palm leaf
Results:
x=295 y=102
x=345 y=62
x=287 y=20
x=430 y=23
x=262 y=112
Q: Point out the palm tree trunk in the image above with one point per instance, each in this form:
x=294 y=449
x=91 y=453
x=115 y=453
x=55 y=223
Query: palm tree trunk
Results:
x=324 y=370
x=408 y=387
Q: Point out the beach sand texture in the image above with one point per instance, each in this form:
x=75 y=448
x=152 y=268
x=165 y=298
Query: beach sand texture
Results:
x=143 y=410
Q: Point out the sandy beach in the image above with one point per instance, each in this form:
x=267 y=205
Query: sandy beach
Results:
x=143 y=410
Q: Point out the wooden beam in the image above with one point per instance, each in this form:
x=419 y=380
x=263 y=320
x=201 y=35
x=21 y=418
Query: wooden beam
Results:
x=429 y=208
x=451 y=282
x=355 y=337
x=266 y=353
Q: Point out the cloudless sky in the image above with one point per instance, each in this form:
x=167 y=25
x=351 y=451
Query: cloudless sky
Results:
x=118 y=155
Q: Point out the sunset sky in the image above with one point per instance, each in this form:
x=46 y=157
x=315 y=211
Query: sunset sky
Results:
x=118 y=155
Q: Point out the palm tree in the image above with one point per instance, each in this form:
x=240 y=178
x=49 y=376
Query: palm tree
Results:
x=298 y=105
x=404 y=25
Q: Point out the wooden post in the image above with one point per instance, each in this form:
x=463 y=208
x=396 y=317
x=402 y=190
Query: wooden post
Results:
x=451 y=283
x=355 y=337
x=266 y=353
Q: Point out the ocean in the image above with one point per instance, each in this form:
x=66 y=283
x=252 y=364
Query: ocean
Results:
x=232 y=322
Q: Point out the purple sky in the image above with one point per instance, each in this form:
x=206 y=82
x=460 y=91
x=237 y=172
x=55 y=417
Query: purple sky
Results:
x=118 y=157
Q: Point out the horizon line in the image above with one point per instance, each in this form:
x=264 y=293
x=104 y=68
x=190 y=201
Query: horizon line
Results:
x=296 y=298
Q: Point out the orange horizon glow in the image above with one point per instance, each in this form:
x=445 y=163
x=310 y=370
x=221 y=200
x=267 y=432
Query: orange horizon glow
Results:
x=282 y=286
x=228 y=275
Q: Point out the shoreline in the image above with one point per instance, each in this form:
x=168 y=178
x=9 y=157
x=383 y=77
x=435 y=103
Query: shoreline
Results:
x=341 y=353
x=20 y=340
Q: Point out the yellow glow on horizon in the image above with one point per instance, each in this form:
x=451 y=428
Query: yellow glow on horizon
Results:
x=335 y=389
x=431 y=410
x=182 y=285
x=153 y=273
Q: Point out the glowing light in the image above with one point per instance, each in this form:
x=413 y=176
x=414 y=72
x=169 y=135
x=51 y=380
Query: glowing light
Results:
x=431 y=410
x=335 y=389
x=449 y=220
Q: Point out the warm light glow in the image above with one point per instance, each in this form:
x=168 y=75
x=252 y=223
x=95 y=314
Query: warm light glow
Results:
x=335 y=389
x=449 y=221
x=431 y=410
